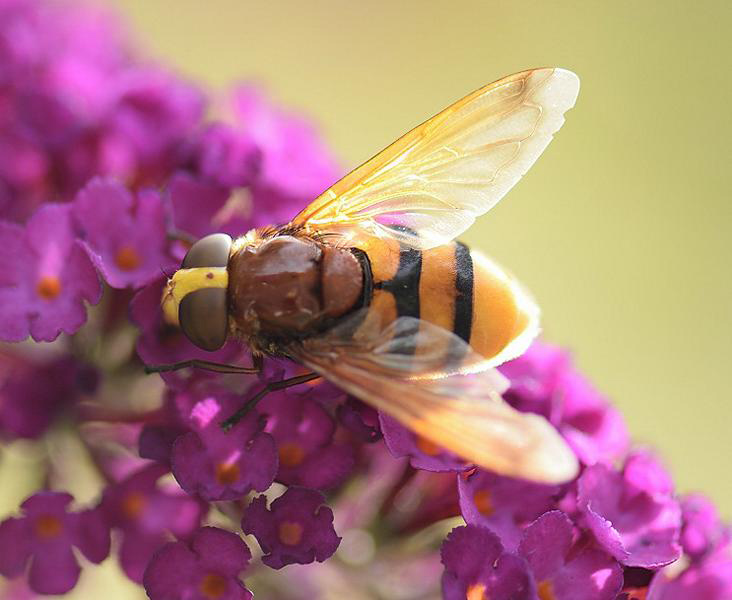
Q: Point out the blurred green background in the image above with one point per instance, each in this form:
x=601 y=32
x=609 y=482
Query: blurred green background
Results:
x=621 y=230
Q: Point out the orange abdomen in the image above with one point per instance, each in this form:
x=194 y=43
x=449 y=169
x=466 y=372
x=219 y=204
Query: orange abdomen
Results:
x=457 y=289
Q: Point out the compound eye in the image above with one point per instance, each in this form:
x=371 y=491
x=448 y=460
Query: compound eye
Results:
x=203 y=313
x=210 y=251
x=203 y=317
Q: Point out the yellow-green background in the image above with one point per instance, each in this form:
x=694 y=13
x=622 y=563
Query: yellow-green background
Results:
x=621 y=230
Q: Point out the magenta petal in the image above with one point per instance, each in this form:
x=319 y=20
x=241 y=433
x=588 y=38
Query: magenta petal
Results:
x=14 y=547
x=171 y=572
x=592 y=575
x=92 y=535
x=546 y=542
x=136 y=551
x=54 y=571
x=221 y=550
x=638 y=528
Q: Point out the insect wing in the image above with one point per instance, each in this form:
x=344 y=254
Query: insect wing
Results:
x=448 y=398
x=435 y=180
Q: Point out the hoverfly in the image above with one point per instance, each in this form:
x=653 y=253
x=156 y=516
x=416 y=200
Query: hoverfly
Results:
x=366 y=287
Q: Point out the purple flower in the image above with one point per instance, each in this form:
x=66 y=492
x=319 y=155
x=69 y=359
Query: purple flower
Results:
x=709 y=579
x=74 y=104
x=422 y=453
x=702 y=530
x=308 y=454
x=195 y=204
x=124 y=236
x=220 y=465
x=476 y=567
x=295 y=166
x=152 y=114
x=227 y=157
x=297 y=528
x=543 y=381
x=45 y=277
x=145 y=514
x=207 y=567
x=564 y=569
x=45 y=535
x=32 y=394
x=639 y=527
x=503 y=504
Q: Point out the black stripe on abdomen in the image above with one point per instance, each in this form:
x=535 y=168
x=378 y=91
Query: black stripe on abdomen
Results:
x=463 y=322
x=404 y=287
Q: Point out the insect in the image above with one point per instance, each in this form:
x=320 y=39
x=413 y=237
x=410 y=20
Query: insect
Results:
x=367 y=288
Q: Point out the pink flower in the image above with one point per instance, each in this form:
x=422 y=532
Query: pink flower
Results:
x=297 y=528
x=206 y=567
x=44 y=535
x=45 y=277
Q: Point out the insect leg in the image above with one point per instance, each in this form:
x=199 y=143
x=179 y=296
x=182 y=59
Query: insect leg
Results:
x=270 y=387
x=206 y=365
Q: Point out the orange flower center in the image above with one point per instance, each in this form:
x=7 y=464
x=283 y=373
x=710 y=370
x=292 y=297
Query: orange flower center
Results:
x=636 y=593
x=49 y=287
x=133 y=504
x=428 y=447
x=476 y=592
x=291 y=454
x=48 y=526
x=482 y=501
x=213 y=586
x=227 y=473
x=127 y=258
x=545 y=590
x=290 y=533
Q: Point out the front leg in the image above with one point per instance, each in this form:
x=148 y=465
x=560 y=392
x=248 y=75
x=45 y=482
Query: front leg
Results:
x=207 y=365
x=270 y=387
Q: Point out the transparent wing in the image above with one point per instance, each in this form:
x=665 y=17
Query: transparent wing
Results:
x=433 y=383
x=435 y=180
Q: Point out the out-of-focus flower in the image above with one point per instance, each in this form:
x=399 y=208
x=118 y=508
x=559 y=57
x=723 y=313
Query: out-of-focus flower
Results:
x=295 y=165
x=476 y=567
x=639 y=527
x=195 y=204
x=145 y=514
x=227 y=157
x=32 y=393
x=45 y=277
x=75 y=103
x=543 y=381
x=219 y=465
x=308 y=454
x=709 y=579
x=702 y=531
x=207 y=567
x=45 y=535
x=565 y=569
x=124 y=235
x=297 y=528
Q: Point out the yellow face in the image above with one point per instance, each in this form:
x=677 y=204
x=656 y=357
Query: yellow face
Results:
x=186 y=281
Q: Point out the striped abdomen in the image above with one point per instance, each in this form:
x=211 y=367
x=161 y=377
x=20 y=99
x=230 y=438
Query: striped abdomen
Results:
x=455 y=288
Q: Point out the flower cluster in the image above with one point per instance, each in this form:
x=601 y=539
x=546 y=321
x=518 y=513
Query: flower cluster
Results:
x=108 y=171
